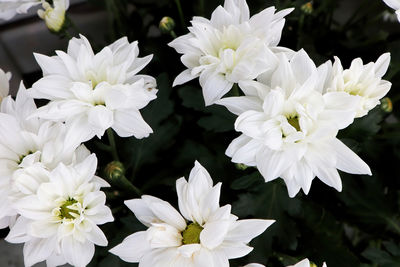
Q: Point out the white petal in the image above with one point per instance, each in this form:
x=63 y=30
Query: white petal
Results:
x=239 y=105
x=214 y=233
x=245 y=230
x=214 y=86
x=76 y=253
x=130 y=122
x=348 y=161
x=184 y=77
x=382 y=64
x=132 y=247
x=37 y=250
x=100 y=118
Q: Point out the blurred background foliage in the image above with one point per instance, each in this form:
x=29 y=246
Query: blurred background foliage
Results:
x=357 y=227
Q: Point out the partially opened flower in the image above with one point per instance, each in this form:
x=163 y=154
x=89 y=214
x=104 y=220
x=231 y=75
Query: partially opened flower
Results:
x=230 y=47
x=59 y=224
x=4 y=84
x=289 y=127
x=395 y=4
x=204 y=235
x=361 y=80
x=93 y=92
x=303 y=263
x=54 y=15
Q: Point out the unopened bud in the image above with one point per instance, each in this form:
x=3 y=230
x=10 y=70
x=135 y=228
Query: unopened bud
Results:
x=114 y=171
x=241 y=166
x=167 y=25
x=312 y=264
x=387 y=105
x=54 y=17
x=307 y=7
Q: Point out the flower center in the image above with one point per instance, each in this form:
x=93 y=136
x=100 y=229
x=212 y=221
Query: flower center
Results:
x=294 y=121
x=191 y=235
x=66 y=212
x=21 y=158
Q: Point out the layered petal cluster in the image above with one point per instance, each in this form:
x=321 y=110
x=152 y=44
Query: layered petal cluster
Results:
x=303 y=263
x=202 y=234
x=59 y=223
x=93 y=92
x=28 y=149
x=229 y=48
x=289 y=126
x=395 y=4
x=361 y=80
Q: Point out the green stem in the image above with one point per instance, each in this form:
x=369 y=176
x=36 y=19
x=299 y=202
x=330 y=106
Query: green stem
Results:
x=111 y=139
x=127 y=184
x=173 y=34
x=181 y=17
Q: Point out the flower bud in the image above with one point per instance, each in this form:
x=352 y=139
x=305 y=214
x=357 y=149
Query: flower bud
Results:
x=53 y=17
x=307 y=7
x=114 y=171
x=387 y=105
x=312 y=264
x=167 y=25
x=241 y=166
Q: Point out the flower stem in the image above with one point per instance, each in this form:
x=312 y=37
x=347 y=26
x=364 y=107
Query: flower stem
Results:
x=181 y=17
x=173 y=34
x=111 y=139
x=127 y=184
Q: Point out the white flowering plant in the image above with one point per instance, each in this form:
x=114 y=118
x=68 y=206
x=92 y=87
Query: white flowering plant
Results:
x=287 y=110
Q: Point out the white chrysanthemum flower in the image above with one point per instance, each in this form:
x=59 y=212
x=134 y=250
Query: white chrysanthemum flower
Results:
x=206 y=235
x=303 y=263
x=361 y=80
x=229 y=48
x=54 y=16
x=93 y=92
x=395 y=4
x=29 y=148
x=4 y=84
x=9 y=8
x=289 y=127
x=59 y=223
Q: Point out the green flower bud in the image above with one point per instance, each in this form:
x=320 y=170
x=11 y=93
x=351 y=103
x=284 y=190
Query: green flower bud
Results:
x=307 y=7
x=387 y=105
x=312 y=264
x=114 y=171
x=53 y=17
x=167 y=25
x=241 y=166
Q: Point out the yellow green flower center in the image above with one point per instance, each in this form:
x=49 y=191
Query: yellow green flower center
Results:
x=294 y=121
x=191 y=235
x=66 y=212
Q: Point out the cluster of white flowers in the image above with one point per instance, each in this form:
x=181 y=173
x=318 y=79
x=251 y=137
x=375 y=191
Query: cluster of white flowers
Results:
x=50 y=197
x=291 y=110
x=289 y=114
